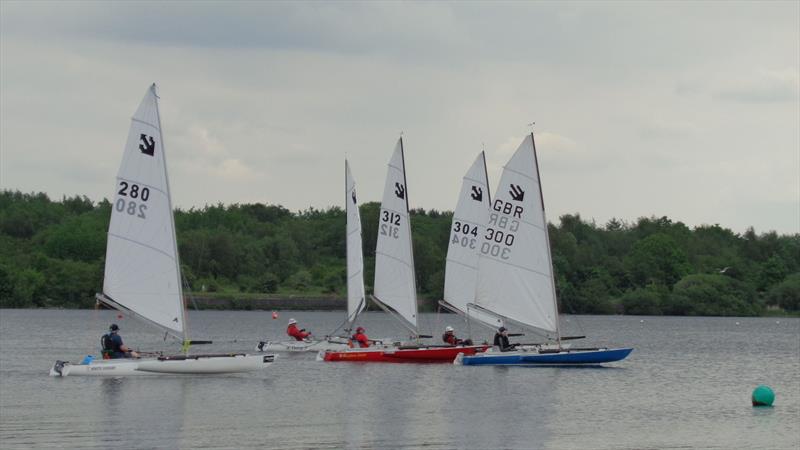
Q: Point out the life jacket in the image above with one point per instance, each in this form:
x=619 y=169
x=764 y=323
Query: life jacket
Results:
x=361 y=339
x=450 y=339
x=108 y=346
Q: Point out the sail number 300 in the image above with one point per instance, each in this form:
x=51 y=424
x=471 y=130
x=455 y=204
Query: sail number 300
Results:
x=137 y=197
x=391 y=224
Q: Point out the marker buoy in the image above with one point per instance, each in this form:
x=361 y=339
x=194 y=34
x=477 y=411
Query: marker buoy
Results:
x=274 y=315
x=763 y=396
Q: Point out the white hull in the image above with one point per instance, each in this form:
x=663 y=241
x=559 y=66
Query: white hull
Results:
x=197 y=365
x=300 y=346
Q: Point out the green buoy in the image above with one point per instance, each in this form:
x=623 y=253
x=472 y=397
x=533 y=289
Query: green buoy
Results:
x=763 y=396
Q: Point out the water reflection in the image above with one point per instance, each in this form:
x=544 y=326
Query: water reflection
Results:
x=142 y=412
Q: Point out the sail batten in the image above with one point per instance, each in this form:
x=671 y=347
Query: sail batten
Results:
x=395 y=286
x=142 y=272
x=515 y=273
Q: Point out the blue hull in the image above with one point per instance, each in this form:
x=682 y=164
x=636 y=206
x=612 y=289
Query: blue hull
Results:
x=566 y=358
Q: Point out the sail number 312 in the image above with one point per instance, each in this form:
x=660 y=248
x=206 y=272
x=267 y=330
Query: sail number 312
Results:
x=391 y=224
x=137 y=197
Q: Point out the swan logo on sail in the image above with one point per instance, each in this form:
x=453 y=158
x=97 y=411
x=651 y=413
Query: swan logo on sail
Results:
x=148 y=145
x=400 y=191
x=477 y=193
x=516 y=192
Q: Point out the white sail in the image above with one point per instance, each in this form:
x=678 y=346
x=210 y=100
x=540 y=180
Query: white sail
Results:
x=142 y=270
x=394 y=261
x=515 y=274
x=355 y=252
x=466 y=234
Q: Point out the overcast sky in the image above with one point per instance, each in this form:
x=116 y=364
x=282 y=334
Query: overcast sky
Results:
x=683 y=109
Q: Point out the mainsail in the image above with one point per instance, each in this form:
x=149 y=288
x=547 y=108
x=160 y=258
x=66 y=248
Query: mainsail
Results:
x=394 y=261
x=355 y=253
x=142 y=272
x=515 y=274
x=466 y=234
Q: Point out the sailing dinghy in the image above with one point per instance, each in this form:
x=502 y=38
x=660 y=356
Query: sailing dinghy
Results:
x=515 y=279
x=142 y=272
x=395 y=285
x=355 y=281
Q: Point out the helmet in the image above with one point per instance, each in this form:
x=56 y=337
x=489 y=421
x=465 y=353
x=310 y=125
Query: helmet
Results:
x=113 y=327
x=291 y=321
x=359 y=329
x=448 y=328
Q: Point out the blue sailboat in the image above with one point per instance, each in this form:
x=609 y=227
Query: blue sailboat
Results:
x=515 y=280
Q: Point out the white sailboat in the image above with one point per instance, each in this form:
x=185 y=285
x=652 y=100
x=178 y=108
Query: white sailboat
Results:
x=395 y=289
x=355 y=280
x=142 y=272
x=467 y=230
x=515 y=279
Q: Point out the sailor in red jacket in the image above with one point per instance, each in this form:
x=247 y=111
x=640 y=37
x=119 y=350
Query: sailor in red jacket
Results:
x=297 y=334
x=449 y=337
x=360 y=338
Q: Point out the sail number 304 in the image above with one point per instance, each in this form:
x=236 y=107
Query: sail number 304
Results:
x=464 y=234
x=136 y=198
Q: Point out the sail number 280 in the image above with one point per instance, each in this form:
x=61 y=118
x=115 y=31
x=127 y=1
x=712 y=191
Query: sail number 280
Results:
x=391 y=224
x=137 y=197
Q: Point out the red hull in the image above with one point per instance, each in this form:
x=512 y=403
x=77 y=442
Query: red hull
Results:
x=421 y=355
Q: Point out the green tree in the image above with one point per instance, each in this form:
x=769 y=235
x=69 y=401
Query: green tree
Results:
x=786 y=294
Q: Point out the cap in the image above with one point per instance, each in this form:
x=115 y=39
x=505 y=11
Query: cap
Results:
x=113 y=327
x=291 y=321
x=501 y=329
x=359 y=329
x=448 y=328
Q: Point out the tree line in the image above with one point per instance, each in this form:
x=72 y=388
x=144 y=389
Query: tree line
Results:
x=52 y=255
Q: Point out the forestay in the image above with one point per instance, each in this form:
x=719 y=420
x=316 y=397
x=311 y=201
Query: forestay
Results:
x=515 y=274
x=468 y=226
x=142 y=269
x=394 y=262
x=355 y=256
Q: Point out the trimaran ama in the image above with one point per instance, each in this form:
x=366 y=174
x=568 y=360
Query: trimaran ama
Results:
x=395 y=284
x=142 y=270
x=515 y=279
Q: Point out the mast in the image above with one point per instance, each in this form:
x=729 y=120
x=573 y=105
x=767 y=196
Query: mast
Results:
x=547 y=240
x=172 y=223
x=410 y=241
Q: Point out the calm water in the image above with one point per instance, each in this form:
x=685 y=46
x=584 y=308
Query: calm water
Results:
x=687 y=385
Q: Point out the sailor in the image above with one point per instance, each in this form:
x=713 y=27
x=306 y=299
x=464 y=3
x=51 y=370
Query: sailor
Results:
x=113 y=347
x=297 y=334
x=360 y=338
x=501 y=340
x=449 y=337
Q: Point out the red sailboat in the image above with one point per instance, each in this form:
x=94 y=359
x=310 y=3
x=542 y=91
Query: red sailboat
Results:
x=395 y=285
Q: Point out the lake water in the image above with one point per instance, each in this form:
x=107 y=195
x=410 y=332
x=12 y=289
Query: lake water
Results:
x=686 y=385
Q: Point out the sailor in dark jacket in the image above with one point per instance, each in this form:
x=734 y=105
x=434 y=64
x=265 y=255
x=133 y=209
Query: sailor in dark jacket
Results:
x=501 y=340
